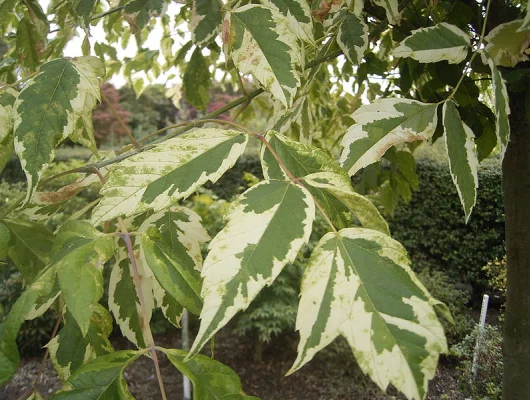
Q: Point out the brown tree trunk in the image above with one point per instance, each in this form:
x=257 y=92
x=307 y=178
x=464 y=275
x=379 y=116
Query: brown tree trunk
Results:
x=516 y=176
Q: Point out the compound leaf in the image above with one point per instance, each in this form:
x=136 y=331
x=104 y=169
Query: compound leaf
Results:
x=267 y=226
x=359 y=284
x=302 y=160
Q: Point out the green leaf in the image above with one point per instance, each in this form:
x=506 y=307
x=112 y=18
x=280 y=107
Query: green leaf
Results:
x=197 y=81
x=435 y=43
x=260 y=42
x=123 y=299
x=170 y=171
x=384 y=124
x=206 y=21
x=507 y=43
x=463 y=160
x=9 y=356
x=28 y=43
x=502 y=105
x=5 y=238
x=352 y=38
x=302 y=160
x=171 y=249
x=7 y=100
x=267 y=226
x=69 y=350
x=211 y=379
x=391 y=8
x=100 y=379
x=143 y=10
x=299 y=15
x=359 y=284
x=340 y=188
x=48 y=108
x=30 y=247
x=84 y=9
x=80 y=251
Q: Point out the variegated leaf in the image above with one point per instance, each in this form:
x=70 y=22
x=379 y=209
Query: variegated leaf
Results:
x=30 y=247
x=463 y=159
x=297 y=119
x=392 y=11
x=302 y=160
x=206 y=21
x=69 y=350
x=79 y=254
x=7 y=100
x=340 y=188
x=140 y=11
x=47 y=109
x=502 y=105
x=171 y=249
x=172 y=170
x=352 y=38
x=9 y=356
x=8 y=97
x=384 y=124
x=123 y=298
x=435 y=43
x=102 y=378
x=359 y=285
x=211 y=379
x=267 y=226
x=299 y=15
x=260 y=42
x=507 y=43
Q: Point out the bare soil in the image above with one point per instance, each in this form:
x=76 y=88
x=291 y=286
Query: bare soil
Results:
x=331 y=375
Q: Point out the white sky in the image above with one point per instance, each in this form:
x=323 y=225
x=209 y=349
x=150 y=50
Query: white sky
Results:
x=73 y=48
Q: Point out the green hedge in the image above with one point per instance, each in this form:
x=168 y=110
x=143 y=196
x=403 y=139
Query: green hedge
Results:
x=432 y=226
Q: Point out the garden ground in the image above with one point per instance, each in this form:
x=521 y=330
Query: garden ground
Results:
x=331 y=375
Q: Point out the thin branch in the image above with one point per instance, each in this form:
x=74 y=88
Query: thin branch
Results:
x=120 y=120
x=36 y=382
x=144 y=323
x=95 y=17
x=468 y=64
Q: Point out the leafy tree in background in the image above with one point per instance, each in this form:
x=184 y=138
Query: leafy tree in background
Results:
x=108 y=126
x=424 y=66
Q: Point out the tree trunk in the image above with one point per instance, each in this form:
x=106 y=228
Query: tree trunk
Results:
x=516 y=176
